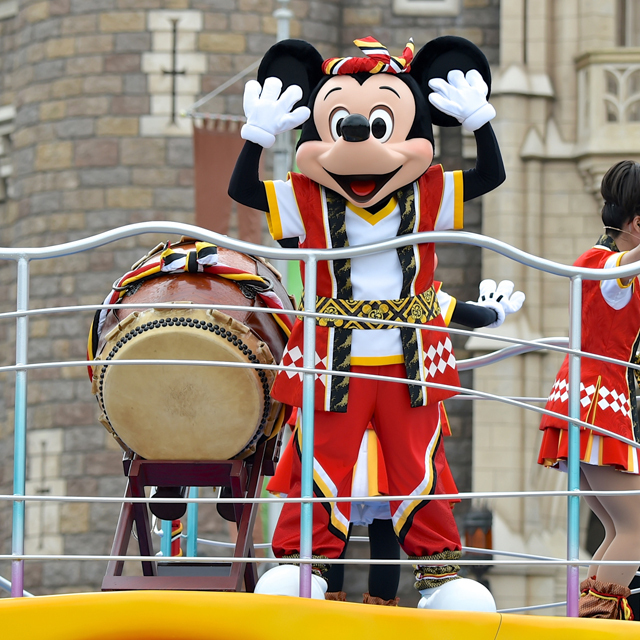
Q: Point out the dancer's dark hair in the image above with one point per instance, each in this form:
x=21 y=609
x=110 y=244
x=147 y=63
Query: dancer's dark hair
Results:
x=621 y=192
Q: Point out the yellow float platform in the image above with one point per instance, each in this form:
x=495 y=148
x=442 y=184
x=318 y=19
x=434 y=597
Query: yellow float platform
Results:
x=180 y=615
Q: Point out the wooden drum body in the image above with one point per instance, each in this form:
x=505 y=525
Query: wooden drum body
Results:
x=191 y=412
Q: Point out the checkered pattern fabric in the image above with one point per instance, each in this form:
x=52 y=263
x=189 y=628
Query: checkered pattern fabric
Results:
x=608 y=398
x=294 y=358
x=611 y=399
x=437 y=358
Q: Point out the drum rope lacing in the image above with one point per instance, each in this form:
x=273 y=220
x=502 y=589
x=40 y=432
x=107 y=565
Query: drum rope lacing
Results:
x=194 y=324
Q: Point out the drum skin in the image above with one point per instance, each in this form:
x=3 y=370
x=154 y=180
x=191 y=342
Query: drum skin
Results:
x=191 y=412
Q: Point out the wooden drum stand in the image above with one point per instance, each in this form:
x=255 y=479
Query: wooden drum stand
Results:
x=244 y=479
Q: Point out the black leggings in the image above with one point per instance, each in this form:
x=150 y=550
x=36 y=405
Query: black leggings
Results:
x=383 y=578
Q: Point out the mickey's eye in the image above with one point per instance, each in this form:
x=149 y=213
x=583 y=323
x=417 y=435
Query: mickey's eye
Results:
x=381 y=124
x=335 y=122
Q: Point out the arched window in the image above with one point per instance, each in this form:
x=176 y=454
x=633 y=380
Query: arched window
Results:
x=628 y=23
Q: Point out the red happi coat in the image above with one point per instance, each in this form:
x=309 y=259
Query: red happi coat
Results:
x=435 y=350
x=605 y=389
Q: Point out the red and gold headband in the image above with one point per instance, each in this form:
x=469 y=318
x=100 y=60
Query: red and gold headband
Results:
x=377 y=60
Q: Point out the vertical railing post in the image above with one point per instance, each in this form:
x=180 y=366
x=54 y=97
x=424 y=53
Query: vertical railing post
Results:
x=308 y=407
x=192 y=523
x=20 y=430
x=573 y=457
x=165 y=541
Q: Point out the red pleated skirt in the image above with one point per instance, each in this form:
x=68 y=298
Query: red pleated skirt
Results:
x=594 y=449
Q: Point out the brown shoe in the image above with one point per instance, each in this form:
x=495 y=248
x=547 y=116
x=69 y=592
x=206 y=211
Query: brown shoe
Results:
x=604 y=600
x=369 y=599
x=341 y=596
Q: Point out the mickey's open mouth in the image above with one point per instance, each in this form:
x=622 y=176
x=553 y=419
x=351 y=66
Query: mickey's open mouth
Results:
x=361 y=188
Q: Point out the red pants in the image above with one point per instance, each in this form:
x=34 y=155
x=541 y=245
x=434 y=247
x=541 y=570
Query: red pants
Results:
x=411 y=441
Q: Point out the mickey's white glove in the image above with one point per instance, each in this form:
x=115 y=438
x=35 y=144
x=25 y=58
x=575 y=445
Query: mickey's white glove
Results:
x=269 y=113
x=500 y=298
x=463 y=97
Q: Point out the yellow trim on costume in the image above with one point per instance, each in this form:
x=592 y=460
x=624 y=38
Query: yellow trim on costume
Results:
x=450 y=310
x=138 y=276
x=372 y=462
x=330 y=64
x=444 y=421
x=327 y=494
x=587 y=451
x=591 y=414
x=458 y=202
x=373 y=218
x=600 y=452
x=376 y=361
x=631 y=460
x=281 y=324
x=273 y=215
x=620 y=283
x=444 y=185
x=559 y=443
x=90 y=344
x=322 y=486
x=398 y=526
x=278 y=423
x=241 y=276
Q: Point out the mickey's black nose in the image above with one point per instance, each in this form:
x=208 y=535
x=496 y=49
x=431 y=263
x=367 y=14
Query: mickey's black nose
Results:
x=355 y=128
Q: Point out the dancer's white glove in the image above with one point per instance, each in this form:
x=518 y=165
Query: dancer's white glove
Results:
x=501 y=298
x=463 y=97
x=269 y=113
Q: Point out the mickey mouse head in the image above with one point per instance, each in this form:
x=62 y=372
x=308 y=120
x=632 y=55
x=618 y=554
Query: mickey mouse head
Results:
x=367 y=120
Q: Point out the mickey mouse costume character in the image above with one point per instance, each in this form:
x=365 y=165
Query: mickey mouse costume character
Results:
x=364 y=154
x=495 y=302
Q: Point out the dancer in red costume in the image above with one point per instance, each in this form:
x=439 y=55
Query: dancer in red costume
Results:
x=610 y=327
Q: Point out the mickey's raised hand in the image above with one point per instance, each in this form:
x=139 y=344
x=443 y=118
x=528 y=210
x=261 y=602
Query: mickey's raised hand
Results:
x=464 y=97
x=269 y=113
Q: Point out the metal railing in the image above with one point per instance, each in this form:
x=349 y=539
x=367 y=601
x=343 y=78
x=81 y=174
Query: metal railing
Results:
x=24 y=256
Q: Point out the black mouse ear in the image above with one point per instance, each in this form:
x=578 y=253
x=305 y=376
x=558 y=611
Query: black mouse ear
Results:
x=440 y=56
x=294 y=62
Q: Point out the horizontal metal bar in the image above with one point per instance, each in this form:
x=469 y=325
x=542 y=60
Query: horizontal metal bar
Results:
x=453 y=237
x=463 y=365
x=229 y=545
x=557 y=344
x=345 y=561
x=5 y=585
x=346 y=374
x=386 y=498
x=534 y=607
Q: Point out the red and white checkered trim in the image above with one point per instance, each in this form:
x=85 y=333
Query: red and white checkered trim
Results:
x=295 y=358
x=609 y=399
x=560 y=391
x=438 y=358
